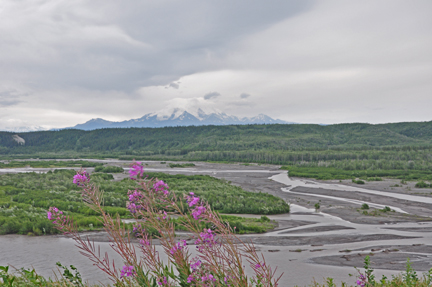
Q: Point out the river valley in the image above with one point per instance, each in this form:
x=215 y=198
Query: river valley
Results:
x=308 y=243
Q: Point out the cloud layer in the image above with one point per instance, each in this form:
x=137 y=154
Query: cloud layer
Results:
x=64 y=62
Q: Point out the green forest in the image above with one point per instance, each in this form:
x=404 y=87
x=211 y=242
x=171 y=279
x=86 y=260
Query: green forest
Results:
x=401 y=150
x=25 y=198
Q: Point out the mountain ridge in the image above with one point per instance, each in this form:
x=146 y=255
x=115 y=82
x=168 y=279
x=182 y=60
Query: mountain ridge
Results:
x=178 y=117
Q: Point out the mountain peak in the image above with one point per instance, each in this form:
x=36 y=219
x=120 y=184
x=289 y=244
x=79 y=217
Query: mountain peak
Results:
x=179 y=117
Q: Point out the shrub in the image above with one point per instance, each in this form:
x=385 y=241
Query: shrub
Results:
x=264 y=219
x=173 y=165
x=109 y=169
x=422 y=184
x=104 y=176
x=386 y=209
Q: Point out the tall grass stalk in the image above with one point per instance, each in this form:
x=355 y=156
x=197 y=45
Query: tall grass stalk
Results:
x=221 y=258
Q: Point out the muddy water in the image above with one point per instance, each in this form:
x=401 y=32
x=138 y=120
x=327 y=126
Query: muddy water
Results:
x=299 y=267
x=43 y=252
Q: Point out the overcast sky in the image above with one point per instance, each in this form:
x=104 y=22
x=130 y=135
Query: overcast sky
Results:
x=64 y=62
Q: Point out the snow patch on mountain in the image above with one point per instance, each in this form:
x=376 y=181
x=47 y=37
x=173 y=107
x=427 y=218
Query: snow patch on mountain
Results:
x=180 y=117
x=22 y=129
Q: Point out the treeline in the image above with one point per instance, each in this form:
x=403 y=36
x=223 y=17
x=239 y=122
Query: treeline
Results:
x=402 y=147
x=49 y=164
x=180 y=141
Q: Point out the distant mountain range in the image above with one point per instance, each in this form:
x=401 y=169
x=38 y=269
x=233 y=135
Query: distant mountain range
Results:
x=23 y=129
x=179 y=117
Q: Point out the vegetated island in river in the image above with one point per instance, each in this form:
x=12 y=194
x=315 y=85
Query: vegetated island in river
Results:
x=25 y=197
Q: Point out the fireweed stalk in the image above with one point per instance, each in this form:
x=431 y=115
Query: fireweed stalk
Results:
x=220 y=255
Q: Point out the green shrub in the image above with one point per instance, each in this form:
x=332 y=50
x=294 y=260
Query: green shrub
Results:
x=109 y=169
x=422 y=184
x=386 y=209
x=264 y=219
x=104 y=176
x=173 y=165
x=374 y=179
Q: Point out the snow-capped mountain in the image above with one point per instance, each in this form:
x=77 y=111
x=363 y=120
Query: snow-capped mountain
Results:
x=22 y=129
x=179 y=117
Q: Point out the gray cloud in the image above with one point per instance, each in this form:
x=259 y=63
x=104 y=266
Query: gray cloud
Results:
x=105 y=45
x=10 y=102
x=10 y=97
x=211 y=95
x=237 y=104
x=173 y=85
x=315 y=61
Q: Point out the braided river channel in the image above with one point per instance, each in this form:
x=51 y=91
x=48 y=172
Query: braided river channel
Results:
x=307 y=244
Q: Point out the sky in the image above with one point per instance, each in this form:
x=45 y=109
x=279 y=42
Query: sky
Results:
x=65 y=62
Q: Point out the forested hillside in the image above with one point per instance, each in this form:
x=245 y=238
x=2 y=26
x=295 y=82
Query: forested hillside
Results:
x=343 y=146
x=212 y=138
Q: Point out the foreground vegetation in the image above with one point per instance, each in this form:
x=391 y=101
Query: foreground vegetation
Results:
x=409 y=278
x=220 y=255
x=152 y=203
x=25 y=197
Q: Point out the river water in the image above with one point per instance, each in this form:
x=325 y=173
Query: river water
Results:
x=43 y=252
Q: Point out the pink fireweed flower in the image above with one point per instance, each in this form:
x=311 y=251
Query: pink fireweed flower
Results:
x=53 y=212
x=190 y=278
x=135 y=195
x=133 y=207
x=127 y=271
x=136 y=170
x=198 y=211
x=161 y=186
x=57 y=217
x=179 y=246
x=258 y=265
x=134 y=199
x=196 y=265
x=191 y=199
x=207 y=237
x=164 y=281
x=361 y=281
x=81 y=178
x=208 y=277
